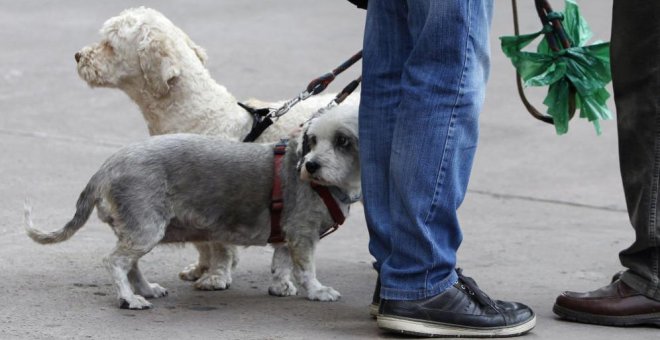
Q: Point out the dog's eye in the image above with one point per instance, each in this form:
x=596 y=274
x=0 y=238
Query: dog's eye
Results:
x=342 y=141
x=312 y=140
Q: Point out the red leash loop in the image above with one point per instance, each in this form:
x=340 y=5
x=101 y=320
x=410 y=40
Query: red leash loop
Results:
x=319 y=84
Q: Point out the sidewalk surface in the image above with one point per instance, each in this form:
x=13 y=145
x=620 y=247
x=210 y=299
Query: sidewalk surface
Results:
x=543 y=213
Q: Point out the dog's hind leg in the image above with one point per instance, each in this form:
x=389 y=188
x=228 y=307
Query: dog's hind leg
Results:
x=302 y=255
x=142 y=286
x=218 y=275
x=134 y=242
x=119 y=263
x=281 y=269
x=194 y=271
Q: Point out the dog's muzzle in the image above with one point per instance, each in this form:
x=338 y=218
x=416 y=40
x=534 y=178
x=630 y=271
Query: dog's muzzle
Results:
x=312 y=167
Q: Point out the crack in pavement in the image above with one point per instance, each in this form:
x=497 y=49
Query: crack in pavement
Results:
x=547 y=200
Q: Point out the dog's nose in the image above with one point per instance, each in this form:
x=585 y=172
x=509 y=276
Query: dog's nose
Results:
x=77 y=56
x=312 y=167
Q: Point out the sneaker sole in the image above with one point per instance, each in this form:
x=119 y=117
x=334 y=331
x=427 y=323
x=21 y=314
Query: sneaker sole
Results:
x=373 y=310
x=607 y=320
x=433 y=329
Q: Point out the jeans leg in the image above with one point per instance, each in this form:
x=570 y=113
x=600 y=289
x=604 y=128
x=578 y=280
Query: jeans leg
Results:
x=433 y=140
x=635 y=52
x=386 y=46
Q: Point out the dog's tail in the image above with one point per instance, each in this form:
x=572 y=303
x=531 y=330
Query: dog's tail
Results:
x=84 y=208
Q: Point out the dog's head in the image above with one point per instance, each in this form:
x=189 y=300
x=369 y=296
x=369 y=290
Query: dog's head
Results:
x=140 y=48
x=331 y=153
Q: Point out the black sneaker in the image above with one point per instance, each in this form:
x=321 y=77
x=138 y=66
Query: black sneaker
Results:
x=462 y=310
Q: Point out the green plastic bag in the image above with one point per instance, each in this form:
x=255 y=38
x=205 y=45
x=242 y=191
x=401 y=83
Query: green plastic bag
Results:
x=587 y=68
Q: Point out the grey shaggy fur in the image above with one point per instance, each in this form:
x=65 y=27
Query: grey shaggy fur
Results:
x=186 y=187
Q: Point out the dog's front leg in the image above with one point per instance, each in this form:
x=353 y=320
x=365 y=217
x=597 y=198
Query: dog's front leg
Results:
x=194 y=271
x=281 y=270
x=223 y=258
x=302 y=254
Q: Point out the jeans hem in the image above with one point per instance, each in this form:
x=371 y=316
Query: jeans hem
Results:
x=389 y=293
x=641 y=285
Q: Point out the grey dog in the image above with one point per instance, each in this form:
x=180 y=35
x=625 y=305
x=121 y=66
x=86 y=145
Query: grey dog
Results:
x=191 y=188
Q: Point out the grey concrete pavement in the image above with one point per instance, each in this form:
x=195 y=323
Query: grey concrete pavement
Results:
x=544 y=213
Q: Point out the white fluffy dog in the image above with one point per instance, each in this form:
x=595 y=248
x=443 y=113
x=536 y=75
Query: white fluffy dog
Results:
x=158 y=66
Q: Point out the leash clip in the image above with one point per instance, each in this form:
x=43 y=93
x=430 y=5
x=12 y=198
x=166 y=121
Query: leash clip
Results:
x=319 y=84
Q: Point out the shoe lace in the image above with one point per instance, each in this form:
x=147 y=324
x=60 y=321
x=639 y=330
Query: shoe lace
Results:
x=469 y=285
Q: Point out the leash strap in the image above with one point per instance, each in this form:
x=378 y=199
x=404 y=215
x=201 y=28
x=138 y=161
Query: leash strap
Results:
x=334 y=209
x=265 y=117
x=319 y=84
x=276 y=202
x=339 y=98
x=346 y=91
x=315 y=87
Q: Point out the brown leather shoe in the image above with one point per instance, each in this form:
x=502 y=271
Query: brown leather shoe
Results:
x=613 y=305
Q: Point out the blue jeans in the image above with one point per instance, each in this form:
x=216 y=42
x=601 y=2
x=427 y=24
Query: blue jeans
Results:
x=425 y=68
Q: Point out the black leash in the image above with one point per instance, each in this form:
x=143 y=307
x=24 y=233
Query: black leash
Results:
x=557 y=40
x=264 y=117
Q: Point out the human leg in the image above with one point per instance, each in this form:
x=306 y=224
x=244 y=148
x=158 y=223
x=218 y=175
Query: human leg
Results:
x=636 y=76
x=386 y=45
x=433 y=143
x=413 y=186
x=433 y=121
x=633 y=298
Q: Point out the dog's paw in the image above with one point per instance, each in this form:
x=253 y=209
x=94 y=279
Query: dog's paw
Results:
x=192 y=272
x=212 y=282
x=324 y=294
x=155 y=291
x=134 y=302
x=285 y=288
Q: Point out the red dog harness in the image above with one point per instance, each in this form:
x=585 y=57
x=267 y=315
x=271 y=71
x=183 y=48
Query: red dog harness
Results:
x=276 y=203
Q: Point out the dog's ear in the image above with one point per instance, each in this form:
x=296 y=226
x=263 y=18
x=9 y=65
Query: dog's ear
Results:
x=159 y=62
x=302 y=145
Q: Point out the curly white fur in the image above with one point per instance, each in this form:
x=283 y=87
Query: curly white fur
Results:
x=162 y=70
x=155 y=63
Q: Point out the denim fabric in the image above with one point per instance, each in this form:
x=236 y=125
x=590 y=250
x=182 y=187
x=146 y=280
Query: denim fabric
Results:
x=425 y=67
x=635 y=51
